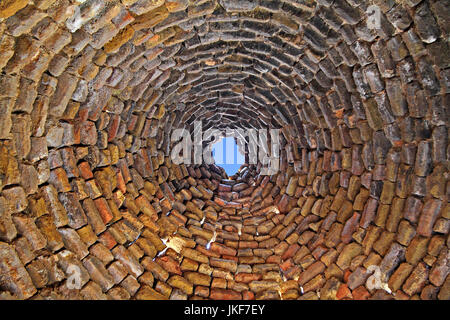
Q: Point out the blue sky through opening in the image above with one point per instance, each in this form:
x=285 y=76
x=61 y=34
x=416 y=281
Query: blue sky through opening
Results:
x=227 y=156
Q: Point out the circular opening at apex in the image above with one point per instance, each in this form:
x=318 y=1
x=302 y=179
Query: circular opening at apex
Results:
x=227 y=155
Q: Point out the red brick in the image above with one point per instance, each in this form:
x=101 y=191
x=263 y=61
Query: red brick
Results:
x=248 y=295
x=145 y=206
x=104 y=210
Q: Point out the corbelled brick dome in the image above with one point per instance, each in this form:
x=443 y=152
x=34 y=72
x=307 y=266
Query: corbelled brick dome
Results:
x=93 y=207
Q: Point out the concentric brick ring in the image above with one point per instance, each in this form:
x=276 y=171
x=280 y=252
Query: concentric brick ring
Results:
x=92 y=207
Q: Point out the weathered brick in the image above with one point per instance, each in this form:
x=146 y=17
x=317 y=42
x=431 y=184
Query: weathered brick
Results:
x=416 y=281
x=16 y=279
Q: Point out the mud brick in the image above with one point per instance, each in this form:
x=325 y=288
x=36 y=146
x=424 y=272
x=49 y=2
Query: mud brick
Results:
x=416 y=281
x=223 y=294
x=383 y=243
x=428 y=217
x=417 y=249
x=130 y=284
x=426 y=26
x=395 y=215
x=399 y=276
x=147 y=293
x=101 y=252
x=15 y=199
x=181 y=283
x=58 y=178
x=90 y=92
x=440 y=269
x=19 y=281
x=64 y=90
x=397 y=48
x=85 y=170
x=69 y=162
x=413 y=207
x=88 y=133
x=131 y=264
x=30 y=179
x=8 y=229
x=392 y=259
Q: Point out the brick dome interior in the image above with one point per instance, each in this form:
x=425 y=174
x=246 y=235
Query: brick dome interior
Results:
x=90 y=92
